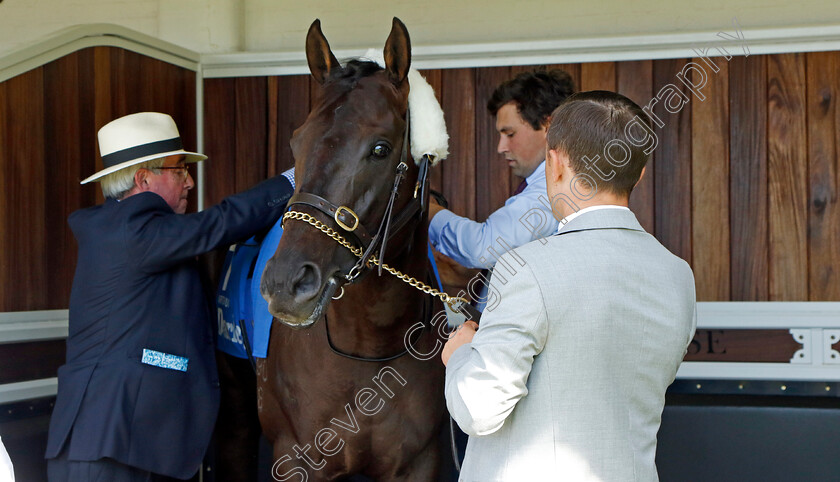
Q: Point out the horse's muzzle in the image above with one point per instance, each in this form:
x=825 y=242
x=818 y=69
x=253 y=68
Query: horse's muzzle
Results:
x=300 y=300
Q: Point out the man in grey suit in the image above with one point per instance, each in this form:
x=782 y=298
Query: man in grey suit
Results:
x=566 y=378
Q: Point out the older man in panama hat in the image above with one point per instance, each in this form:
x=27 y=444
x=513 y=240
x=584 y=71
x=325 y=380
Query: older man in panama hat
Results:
x=138 y=395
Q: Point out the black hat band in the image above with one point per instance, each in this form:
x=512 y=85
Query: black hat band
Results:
x=136 y=152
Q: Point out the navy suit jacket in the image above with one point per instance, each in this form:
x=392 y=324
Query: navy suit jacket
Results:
x=137 y=287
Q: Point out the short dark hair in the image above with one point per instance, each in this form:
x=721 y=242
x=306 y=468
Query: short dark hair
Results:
x=592 y=129
x=536 y=94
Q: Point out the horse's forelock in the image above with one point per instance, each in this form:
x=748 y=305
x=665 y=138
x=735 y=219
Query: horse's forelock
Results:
x=352 y=71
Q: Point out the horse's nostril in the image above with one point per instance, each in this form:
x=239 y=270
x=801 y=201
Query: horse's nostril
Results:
x=307 y=283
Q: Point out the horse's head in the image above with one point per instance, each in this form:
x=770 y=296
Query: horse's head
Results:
x=347 y=155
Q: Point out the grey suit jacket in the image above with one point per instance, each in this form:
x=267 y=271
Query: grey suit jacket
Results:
x=566 y=377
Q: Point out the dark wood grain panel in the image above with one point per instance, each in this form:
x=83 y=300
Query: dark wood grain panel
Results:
x=757 y=346
x=291 y=113
x=710 y=185
x=598 y=76
x=635 y=80
x=787 y=170
x=273 y=107
x=219 y=139
x=672 y=176
x=103 y=111
x=251 y=134
x=748 y=178
x=181 y=105
x=126 y=83
x=493 y=179
x=181 y=96
x=151 y=93
x=17 y=360
x=459 y=105
x=823 y=89
x=314 y=92
x=26 y=230
x=89 y=93
x=5 y=199
x=63 y=139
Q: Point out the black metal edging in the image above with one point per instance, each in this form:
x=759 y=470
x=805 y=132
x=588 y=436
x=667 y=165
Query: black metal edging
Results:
x=827 y=390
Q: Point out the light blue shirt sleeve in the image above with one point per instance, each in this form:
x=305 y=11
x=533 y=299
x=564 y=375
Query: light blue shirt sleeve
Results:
x=290 y=175
x=524 y=218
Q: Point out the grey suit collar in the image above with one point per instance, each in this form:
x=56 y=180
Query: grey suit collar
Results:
x=603 y=219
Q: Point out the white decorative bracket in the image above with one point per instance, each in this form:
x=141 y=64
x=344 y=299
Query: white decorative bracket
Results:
x=803 y=337
x=831 y=356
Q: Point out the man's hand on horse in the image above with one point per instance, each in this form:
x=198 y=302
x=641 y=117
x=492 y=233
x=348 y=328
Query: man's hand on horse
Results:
x=461 y=336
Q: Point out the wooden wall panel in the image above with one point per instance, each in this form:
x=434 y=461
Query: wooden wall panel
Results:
x=635 y=80
x=89 y=90
x=290 y=115
x=598 y=76
x=103 y=110
x=314 y=91
x=710 y=185
x=5 y=214
x=26 y=231
x=748 y=177
x=63 y=103
x=493 y=180
x=127 y=80
x=787 y=168
x=219 y=139
x=272 y=113
x=251 y=133
x=672 y=183
x=459 y=106
x=823 y=89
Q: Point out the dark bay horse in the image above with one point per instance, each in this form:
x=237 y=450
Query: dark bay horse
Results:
x=338 y=394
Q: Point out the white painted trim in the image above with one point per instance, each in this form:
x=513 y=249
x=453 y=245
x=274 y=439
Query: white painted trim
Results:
x=199 y=135
x=630 y=47
x=26 y=326
x=20 y=391
x=94 y=35
x=758 y=371
x=763 y=315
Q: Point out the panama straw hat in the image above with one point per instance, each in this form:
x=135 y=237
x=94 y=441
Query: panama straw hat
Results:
x=138 y=138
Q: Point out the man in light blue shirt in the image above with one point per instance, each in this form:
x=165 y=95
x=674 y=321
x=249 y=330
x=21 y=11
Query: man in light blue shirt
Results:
x=522 y=107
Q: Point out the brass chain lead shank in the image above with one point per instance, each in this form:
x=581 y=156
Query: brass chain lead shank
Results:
x=413 y=282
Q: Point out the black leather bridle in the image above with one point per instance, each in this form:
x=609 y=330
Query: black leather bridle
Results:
x=348 y=221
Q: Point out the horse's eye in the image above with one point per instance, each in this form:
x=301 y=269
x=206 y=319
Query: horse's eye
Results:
x=380 y=150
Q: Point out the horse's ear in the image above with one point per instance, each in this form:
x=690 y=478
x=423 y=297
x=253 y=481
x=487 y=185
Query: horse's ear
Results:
x=318 y=54
x=398 y=52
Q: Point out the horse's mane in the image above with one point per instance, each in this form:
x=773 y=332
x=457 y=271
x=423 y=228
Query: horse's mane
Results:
x=352 y=71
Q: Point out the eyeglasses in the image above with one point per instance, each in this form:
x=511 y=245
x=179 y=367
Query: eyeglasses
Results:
x=185 y=169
